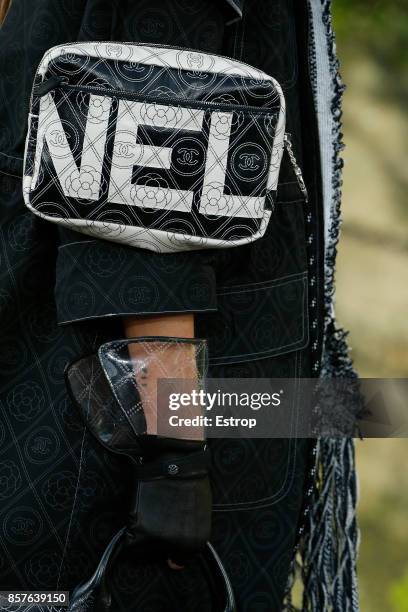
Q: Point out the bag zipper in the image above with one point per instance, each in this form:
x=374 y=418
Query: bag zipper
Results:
x=61 y=82
x=46 y=86
x=143 y=44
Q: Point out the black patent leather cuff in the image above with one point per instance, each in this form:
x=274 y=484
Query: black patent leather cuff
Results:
x=105 y=387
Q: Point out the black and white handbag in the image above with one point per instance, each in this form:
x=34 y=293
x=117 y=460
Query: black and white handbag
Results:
x=155 y=147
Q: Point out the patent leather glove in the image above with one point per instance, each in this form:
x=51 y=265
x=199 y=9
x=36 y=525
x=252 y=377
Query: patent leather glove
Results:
x=171 y=500
x=170 y=506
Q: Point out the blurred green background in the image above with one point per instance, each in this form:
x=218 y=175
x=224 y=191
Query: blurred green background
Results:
x=372 y=279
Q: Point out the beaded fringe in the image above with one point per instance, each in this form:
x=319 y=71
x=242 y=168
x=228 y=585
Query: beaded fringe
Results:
x=327 y=550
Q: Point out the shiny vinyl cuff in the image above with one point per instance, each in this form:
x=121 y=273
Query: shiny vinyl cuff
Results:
x=113 y=391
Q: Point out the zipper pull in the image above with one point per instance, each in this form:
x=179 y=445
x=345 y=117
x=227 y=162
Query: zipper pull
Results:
x=299 y=176
x=52 y=83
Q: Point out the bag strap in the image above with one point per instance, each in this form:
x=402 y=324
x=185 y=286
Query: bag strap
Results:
x=94 y=594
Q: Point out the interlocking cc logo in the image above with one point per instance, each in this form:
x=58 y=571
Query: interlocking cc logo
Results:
x=41 y=445
x=188 y=157
x=249 y=161
x=152 y=27
x=22 y=526
x=195 y=61
x=59 y=138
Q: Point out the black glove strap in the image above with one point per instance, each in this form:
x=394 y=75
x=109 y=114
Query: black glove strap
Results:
x=192 y=465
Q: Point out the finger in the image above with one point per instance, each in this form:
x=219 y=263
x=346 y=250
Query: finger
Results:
x=173 y=565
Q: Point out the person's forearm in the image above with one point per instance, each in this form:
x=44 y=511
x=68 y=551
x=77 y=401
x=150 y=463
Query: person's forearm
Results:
x=177 y=325
x=174 y=362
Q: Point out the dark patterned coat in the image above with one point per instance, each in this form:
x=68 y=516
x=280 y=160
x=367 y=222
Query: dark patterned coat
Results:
x=62 y=294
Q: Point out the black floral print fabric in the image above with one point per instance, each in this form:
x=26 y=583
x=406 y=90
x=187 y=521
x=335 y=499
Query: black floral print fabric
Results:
x=62 y=295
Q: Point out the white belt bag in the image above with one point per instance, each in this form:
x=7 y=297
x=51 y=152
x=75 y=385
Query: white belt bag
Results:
x=154 y=147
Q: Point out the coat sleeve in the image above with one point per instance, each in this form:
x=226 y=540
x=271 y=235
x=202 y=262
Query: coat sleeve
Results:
x=98 y=278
